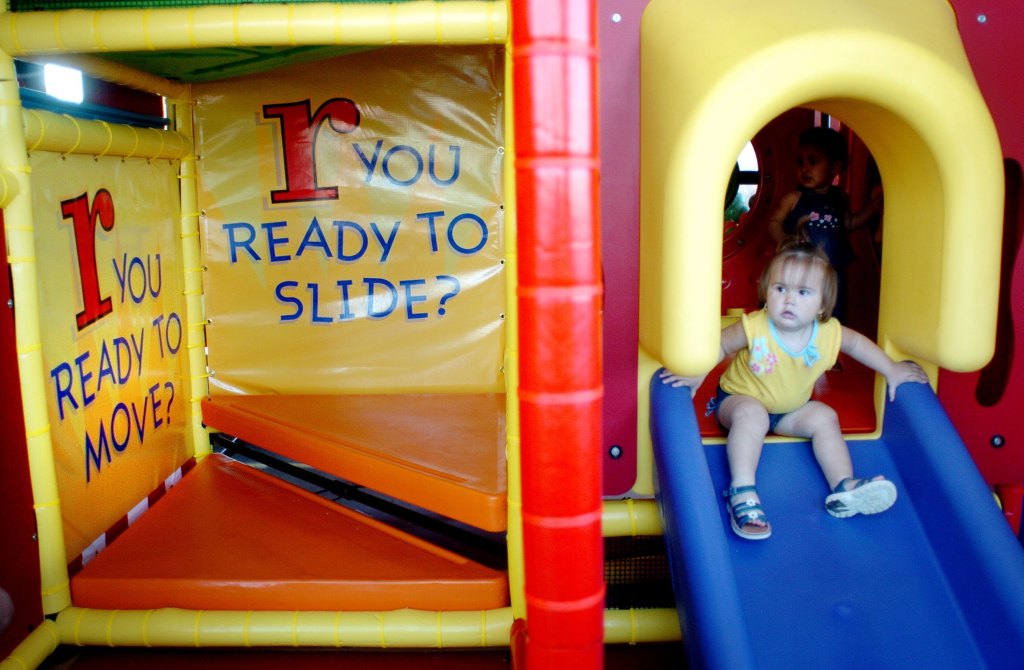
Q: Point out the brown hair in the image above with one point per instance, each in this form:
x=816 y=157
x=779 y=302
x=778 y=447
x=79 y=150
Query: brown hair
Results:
x=830 y=142
x=803 y=256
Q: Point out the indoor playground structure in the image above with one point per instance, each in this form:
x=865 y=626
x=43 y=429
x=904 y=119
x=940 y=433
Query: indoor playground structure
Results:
x=335 y=326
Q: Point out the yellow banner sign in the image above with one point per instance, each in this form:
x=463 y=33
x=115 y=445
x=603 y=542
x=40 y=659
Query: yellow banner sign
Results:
x=113 y=333
x=352 y=217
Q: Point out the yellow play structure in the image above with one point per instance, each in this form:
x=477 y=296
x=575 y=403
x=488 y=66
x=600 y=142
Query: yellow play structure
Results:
x=425 y=321
x=141 y=366
x=930 y=133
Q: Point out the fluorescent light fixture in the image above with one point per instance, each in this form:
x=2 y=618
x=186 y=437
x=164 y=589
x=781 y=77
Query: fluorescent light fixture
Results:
x=63 y=83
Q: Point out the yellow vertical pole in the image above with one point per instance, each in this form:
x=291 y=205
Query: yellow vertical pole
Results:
x=516 y=571
x=196 y=435
x=21 y=255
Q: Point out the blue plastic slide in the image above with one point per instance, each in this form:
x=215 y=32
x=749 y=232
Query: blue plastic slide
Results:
x=935 y=582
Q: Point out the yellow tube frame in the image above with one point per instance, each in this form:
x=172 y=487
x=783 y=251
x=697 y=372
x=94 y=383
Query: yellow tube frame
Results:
x=630 y=518
x=635 y=626
x=20 y=232
x=514 y=536
x=60 y=133
x=8 y=187
x=195 y=628
x=197 y=436
x=386 y=630
x=423 y=22
x=395 y=630
x=399 y=629
x=35 y=648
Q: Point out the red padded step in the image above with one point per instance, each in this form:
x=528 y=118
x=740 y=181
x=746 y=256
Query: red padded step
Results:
x=443 y=452
x=229 y=537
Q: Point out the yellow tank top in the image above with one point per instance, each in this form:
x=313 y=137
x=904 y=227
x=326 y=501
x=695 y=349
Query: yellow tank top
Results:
x=767 y=370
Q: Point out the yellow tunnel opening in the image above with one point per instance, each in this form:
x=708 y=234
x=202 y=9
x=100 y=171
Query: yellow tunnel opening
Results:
x=898 y=76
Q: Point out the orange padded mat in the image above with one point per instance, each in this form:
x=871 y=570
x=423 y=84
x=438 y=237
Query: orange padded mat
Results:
x=445 y=453
x=229 y=537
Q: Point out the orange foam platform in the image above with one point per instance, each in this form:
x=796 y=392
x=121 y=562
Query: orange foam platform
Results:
x=850 y=391
x=444 y=452
x=229 y=537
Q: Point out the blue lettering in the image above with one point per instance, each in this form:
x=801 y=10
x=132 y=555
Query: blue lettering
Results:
x=84 y=377
x=321 y=241
x=346 y=313
x=157 y=421
x=483 y=234
x=94 y=455
x=274 y=242
x=62 y=377
x=411 y=299
x=391 y=299
x=416 y=157
x=281 y=297
x=385 y=245
x=120 y=445
x=430 y=217
x=106 y=368
x=140 y=421
x=368 y=164
x=314 y=290
x=342 y=226
x=243 y=243
x=457 y=151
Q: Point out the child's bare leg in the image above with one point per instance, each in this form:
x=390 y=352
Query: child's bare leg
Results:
x=849 y=496
x=820 y=423
x=747 y=422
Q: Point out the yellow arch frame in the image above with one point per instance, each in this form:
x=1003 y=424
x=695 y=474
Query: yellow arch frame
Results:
x=898 y=75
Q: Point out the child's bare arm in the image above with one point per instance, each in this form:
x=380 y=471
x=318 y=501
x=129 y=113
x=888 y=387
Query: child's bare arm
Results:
x=870 y=354
x=873 y=208
x=733 y=339
x=779 y=214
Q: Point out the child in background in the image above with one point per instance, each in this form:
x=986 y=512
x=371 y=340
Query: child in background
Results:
x=818 y=211
x=781 y=351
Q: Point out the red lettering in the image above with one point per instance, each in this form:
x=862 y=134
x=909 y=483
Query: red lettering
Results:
x=84 y=219
x=299 y=131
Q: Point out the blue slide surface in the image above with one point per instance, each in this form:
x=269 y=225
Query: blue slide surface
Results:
x=935 y=582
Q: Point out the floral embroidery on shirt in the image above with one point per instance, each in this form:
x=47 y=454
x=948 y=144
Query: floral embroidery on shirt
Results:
x=822 y=221
x=762 y=360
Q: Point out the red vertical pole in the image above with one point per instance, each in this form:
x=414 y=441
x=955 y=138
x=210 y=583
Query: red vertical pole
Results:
x=554 y=61
x=20 y=585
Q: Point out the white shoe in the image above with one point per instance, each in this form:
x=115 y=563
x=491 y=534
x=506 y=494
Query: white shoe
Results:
x=868 y=496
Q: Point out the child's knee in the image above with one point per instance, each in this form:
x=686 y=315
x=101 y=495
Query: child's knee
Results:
x=824 y=418
x=749 y=414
